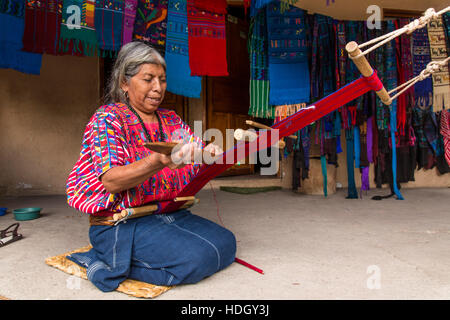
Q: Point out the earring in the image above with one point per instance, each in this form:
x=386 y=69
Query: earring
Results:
x=126 y=95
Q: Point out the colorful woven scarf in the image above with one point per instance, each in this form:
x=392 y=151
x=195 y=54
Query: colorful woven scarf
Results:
x=445 y=132
x=259 y=67
x=129 y=16
x=353 y=31
x=341 y=59
x=391 y=82
x=151 y=23
x=322 y=65
x=179 y=79
x=108 y=24
x=405 y=73
x=42 y=26
x=288 y=56
x=438 y=51
x=80 y=32
x=258 y=4
x=423 y=90
x=207 y=42
x=12 y=24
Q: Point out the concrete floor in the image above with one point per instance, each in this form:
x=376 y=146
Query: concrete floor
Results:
x=309 y=247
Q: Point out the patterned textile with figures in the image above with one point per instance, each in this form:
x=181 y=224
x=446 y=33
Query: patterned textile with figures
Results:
x=151 y=23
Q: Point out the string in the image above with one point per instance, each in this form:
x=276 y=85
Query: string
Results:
x=240 y=261
x=409 y=28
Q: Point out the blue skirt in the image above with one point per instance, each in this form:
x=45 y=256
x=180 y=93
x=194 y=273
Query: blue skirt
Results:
x=168 y=249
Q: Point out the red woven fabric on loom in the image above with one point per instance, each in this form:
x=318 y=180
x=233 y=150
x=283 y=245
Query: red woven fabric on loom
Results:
x=216 y=6
x=207 y=42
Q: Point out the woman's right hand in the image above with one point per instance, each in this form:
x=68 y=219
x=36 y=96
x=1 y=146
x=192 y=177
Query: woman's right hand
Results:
x=181 y=156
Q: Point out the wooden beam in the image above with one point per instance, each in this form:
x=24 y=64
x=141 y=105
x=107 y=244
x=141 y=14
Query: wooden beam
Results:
x=399 y=13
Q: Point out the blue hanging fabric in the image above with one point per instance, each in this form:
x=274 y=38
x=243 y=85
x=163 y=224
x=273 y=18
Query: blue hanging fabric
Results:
x=179 y=79
x=357 y=141
x=12 y=27
x=288 y=55
x=393 y=120
x=391 y=80
x=323 y=163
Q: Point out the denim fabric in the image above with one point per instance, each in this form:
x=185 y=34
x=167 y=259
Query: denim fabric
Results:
x=168 y=249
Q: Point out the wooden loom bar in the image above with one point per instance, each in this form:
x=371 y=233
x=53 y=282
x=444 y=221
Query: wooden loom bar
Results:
x=366 y=70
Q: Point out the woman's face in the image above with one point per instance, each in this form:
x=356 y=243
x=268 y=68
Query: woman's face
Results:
x=147 y=88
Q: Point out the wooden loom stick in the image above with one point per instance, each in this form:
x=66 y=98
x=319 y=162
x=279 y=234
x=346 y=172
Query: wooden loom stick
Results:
x=150 y=209
x=136 y=212
x=263 y=126
x=247 y=135
x=366 y=70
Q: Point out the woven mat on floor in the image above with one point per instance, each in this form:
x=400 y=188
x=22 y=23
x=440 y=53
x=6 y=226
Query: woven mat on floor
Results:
x=131 y=287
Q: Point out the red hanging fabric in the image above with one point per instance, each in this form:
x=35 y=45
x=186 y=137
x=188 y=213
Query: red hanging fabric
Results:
x=216 y=6
x=445 y=131
x=207 y=42
x=42 y=26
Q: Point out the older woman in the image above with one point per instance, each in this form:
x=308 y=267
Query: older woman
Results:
x=115 y=171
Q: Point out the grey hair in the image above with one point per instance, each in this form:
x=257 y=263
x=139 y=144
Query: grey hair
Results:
x=128 y=63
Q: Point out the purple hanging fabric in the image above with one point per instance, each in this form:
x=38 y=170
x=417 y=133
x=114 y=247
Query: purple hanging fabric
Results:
x=365 y=179
x=129 y=15
x=369 y=140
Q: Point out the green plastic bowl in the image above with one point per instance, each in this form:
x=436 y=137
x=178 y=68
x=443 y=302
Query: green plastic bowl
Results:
x=24 y=214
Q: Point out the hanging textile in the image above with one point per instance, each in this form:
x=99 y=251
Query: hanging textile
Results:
x=323 y=83
x=405 y=72
x=179 y=79
x=12 y=25
x=151 y=23
x=207 y=42
x=421 y=120
x=78 y=34
x=352 y=33
x=258 y=4
x=322 y=65
x=391 y=82
x=129 y=16
x=288 y=56
x=352 y=192
x=405 y=138
x=108 y=18
x=259 y=67
x=216 y=6
x=423 y=90
x=42 y=26
x=445 y=132
x=438 y=51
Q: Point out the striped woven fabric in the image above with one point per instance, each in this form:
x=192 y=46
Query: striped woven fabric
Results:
x=259 y=81
x=207 y=42
x=288 y=55
x=179 y=79
x=81 y=33
x=129 y=16
x=438 y=51
x=445 y=131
